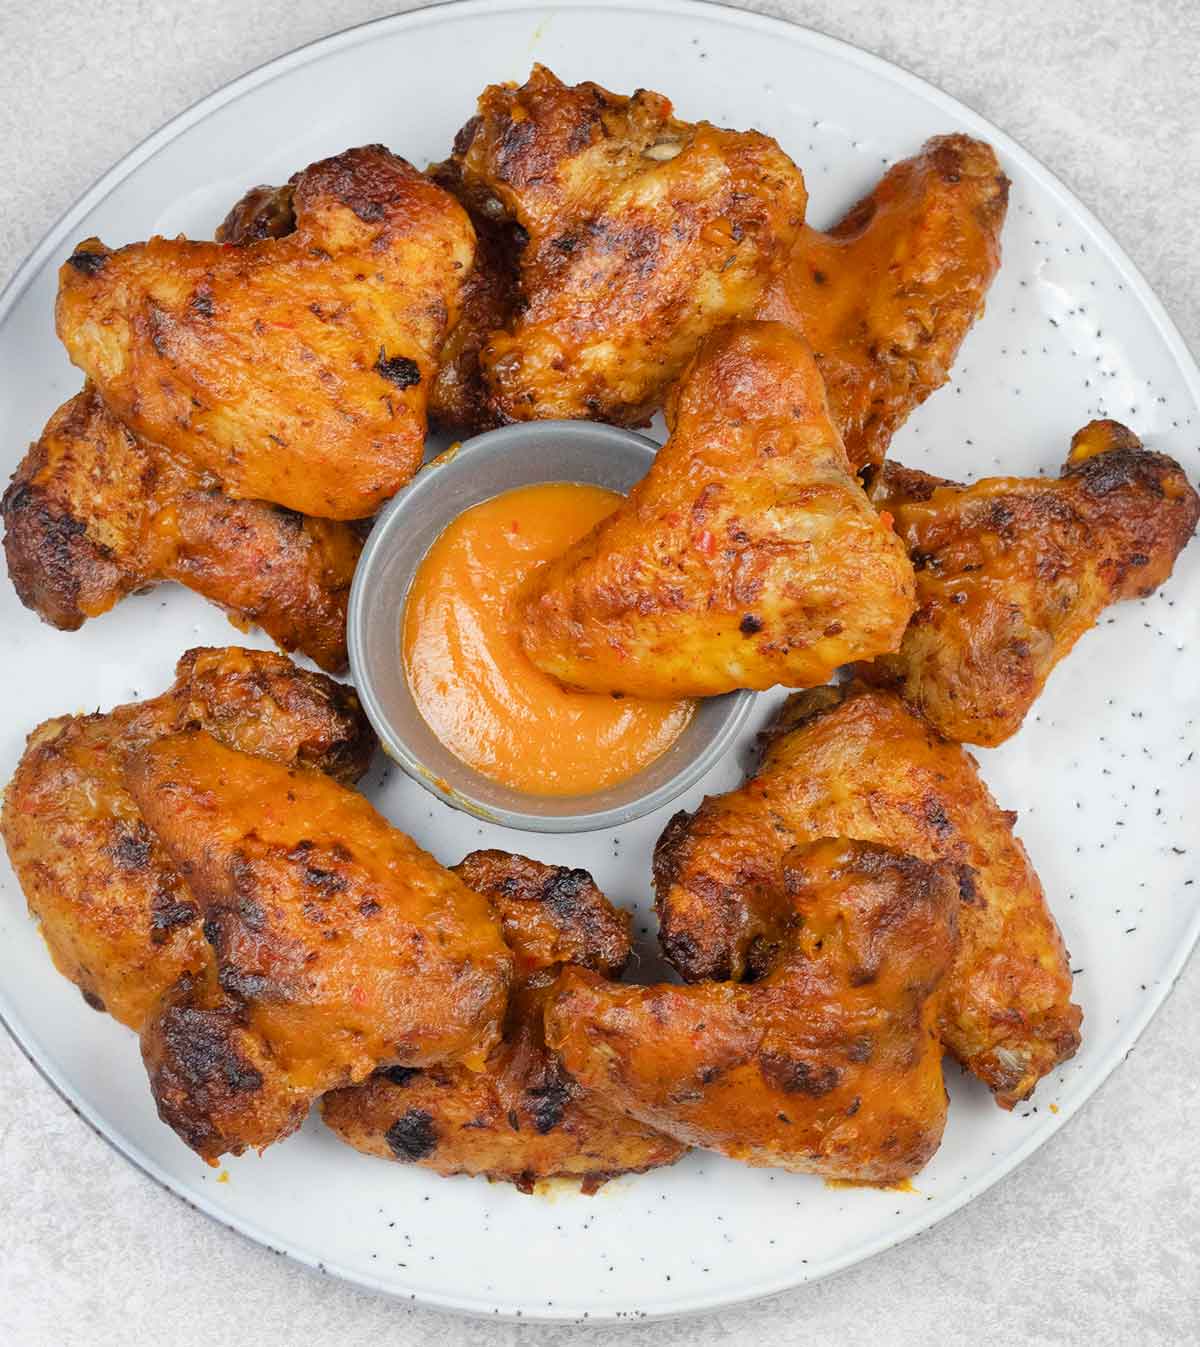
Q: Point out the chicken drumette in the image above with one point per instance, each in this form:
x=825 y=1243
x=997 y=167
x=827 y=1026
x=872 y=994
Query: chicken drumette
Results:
x=457 y=398
x=118 y=918
x=523 y=1117
x=1012 y=571
x=336 y=946
x=94 y=513
x=854 y=761
x=643 y=234
x=747 y=556
x=887 y=295
x=830 y=1064
x=293 y=369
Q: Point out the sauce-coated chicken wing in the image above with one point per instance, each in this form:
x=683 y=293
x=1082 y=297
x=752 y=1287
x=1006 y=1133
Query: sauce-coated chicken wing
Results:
x=854 y=761
x=830 y=1064
x=523 y=1117
x=337 y=946
x=457 y=397
x=644 y=233
x=294 y=369
x=886 y=297
x=747 y=556
x=94 y=512
x=1012 y=571
x=117 y=917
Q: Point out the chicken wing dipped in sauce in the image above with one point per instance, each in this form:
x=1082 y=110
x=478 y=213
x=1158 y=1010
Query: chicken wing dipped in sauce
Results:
x=854 y=761
x=644 y=233
x=887 y=295
x=458 y=401
x=522 y=1118
x=94 y=513
x=1012 y=571
x=747 y=556
x=118 y=918
x=293 y=369
x=830 y=1064
x=336 y=945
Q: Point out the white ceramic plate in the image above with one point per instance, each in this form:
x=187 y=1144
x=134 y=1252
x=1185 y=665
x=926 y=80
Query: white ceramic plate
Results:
x=1101 y=773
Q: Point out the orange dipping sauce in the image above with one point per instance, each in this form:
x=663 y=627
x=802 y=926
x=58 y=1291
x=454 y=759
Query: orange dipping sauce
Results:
x=475 y=686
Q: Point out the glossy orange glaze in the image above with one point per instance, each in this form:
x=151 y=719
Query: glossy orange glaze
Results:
x=476 y=688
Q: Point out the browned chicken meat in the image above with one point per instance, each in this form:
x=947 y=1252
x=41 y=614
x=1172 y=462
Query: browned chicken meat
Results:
x=523 y=1117
x=747 y=556
x=830 y=1064
x=457 y=397
x=644 y=233
x=1012 y=571
x=854 y=761
x=295 y=369
x=337 y=946
x=118 y=918
x=459 y=400
x=887 y=295
x=94 y=512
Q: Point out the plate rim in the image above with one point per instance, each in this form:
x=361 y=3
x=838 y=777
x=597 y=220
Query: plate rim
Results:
x=785 y=29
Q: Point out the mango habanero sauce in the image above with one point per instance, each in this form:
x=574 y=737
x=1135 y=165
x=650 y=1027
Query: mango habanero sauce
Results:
x=474 y=685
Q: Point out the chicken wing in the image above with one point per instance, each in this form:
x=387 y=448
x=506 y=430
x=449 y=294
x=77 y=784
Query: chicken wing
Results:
x=1012 y=571
x=117 y=917
x=295 y=369
x=458 y=401
x=337 y=945
x=853 y=760
x=886 y=297
x=747 y=556
x=644 y=233
x=830 y=1064
x=523 y=1117
x=94 y=513
x=457 y=397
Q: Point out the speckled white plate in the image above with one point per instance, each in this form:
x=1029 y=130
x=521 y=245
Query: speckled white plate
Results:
x=1102 y=773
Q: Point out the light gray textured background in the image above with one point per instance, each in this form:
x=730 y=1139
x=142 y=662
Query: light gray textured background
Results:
x=1096 y=1239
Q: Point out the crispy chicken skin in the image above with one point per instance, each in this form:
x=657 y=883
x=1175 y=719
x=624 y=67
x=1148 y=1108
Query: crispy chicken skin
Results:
x=264 y=212
x=886 y=297
x=117 y=918
x=295 y=369
x=94 y=513
x=337 y=945
x=1012 y=571
x=747 y=556
x=644 y=233
x=523 y=1117
x=458 y=401
x=855 y=761
x=457 y=396
x=830 y=1064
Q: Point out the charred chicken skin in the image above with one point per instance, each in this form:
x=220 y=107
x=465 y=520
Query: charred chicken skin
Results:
x=457 y=396
x=887 y=295
x=94 y=513
x=523 y=1117
x=1012 y=571
x=118 y=918
x=644 y=233
x=459 y=402
x=296 y=369
x=854 y=761
x=337 y=946
x=747 y=556
x=830 y=1064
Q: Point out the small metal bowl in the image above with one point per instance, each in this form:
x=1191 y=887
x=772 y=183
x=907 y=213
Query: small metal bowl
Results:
x=519 y=455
